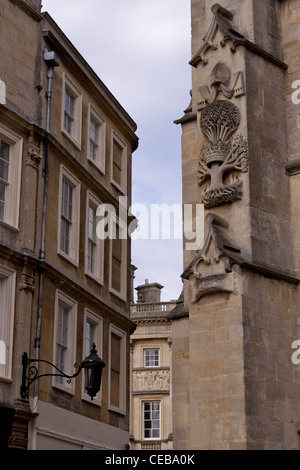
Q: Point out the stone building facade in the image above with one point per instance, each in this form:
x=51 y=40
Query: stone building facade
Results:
x=66 y=147
x=235 y=383
x=151 y=372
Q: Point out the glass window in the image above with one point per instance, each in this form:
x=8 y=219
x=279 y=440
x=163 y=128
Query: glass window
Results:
x=94 y=140
x=7 y=308
x=69 y=217
x=90 y=336
x=4 y=173
x=152 y=420
x=66 y=217
x=117 y=162
x=62 y=339
x=117 y=370
x=92 y=239
x=151 y=357
x=71 y=106
x=69 y=111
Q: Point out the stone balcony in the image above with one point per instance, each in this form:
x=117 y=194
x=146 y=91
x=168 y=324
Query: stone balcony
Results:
x=151 y=310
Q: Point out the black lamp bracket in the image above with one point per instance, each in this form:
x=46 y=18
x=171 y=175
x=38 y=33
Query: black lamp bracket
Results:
x=30 y=374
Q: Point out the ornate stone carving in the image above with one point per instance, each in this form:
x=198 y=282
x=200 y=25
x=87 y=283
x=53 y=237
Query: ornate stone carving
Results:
x=151 y=380
x=206 y=273
x=221 y=80
x=222 y=154
x=33 y=157
x=26 y=282
x=222 y=21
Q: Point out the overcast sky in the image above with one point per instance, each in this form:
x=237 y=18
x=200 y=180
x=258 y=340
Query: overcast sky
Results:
x=140 y=49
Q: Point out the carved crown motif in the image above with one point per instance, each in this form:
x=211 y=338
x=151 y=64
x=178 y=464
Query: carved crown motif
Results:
x=216 y=151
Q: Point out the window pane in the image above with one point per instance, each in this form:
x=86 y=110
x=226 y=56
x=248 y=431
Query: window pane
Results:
x=94 y=131
x=92 y=223
x=68 y=124
x=65 y=236
x=2 y=191
x=67 y=196
x=115 y=353
x=4 y=150
x=62 y=331
x=69 y=103
x=152 y=420
x=4 y=166
x=90 y=335
x=151 y=357
x=116 y=268
x=117 y=162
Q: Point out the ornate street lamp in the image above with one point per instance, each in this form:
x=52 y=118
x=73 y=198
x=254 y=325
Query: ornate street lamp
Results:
x=93 y=366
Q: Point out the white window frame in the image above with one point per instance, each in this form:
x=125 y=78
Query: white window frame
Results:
x=8 y=310
x=99 y=161
x=73 y=256
x=98 y=322
x=98 y=275
x=122 y=390
x=157 y=400
x=64 y=300
x=144 y=357
x=123 y=280
x=75 y=135
x=12 y=203
x=123 y=186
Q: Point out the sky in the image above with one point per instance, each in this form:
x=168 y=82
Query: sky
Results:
x=140 y=49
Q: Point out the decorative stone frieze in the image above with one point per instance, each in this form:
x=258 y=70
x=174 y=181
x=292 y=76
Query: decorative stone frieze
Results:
x=222 y=155
x=151 y=380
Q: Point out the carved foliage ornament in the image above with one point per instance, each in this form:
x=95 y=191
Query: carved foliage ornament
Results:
x=222 y=155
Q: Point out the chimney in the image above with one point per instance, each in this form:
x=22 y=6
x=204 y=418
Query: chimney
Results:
x=149 y=292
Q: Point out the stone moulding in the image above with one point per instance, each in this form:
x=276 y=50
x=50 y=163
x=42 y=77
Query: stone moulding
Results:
x=212 y=284
x=222 y=20
x=222 y=154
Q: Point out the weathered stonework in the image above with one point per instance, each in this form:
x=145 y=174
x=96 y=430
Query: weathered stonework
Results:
x=221 y=155
x=232 y=341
